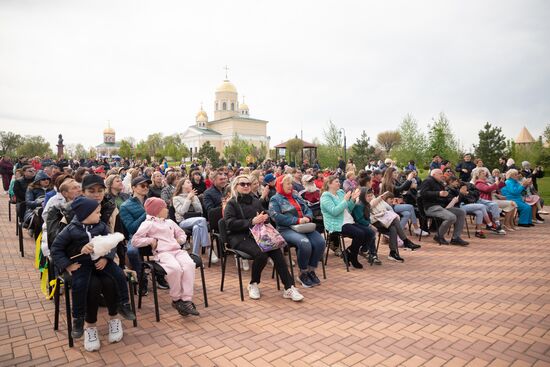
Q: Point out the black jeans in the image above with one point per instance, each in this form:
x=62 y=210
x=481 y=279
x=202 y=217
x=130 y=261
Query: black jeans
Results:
x=370 y=236
x=81 y=283
x=100 y=284
x=249 y=246
x=359 y=236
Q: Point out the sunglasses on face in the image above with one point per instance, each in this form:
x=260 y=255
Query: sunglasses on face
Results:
x=143 y=186
x=244 y=184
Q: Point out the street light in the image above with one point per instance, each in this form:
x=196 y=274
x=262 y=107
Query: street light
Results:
x=345 y=150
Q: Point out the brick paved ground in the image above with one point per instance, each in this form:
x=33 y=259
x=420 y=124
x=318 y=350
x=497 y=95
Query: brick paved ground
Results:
x=485 y=305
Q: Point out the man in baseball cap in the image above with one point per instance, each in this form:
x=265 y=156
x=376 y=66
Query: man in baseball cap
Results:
x=93 y=187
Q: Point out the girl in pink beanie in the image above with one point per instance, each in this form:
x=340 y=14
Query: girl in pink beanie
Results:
x=166 y=237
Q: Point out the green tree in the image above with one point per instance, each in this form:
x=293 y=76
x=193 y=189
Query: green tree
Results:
x=155 y=145
x=293 y=147
x=34 y=146
x=491 y=146
x=208 y=152
x=362 y=150
x=413 y=143
x=237 y=150
x=441 y=139
x=92 y=152
x=329 y=151
x=173 y=147
x=332 y=136
x=9 y=142
x=142 y=150
x=546 y=134
x=125 y=149
x=388 y=139
x=80 y=151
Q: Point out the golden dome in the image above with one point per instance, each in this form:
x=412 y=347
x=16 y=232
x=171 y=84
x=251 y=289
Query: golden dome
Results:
x=227 y=86
x=109 y=130
x=243 y=107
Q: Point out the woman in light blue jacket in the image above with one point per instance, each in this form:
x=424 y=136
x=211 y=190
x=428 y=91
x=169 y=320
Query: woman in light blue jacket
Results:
x=337 y=207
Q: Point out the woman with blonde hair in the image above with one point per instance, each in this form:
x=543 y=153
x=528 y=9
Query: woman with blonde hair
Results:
x=242 y=212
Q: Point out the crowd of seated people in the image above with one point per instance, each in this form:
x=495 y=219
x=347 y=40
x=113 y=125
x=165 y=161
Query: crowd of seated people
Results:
x=152 y=205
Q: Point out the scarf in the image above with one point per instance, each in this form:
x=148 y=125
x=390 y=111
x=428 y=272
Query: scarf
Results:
x=288 y=196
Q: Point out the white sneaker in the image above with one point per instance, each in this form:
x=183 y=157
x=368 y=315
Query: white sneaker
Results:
x=115 y=331
x=293 y=293
x=543 y=212
x=418 y=231
x=91 y=339
x=253 y=291
x=245 y=265
x=214 y=257
x=538 y=222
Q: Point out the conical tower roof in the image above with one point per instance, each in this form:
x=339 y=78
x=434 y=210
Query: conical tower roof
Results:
x=524 y=137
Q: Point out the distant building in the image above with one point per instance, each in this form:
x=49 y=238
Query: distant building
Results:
x=230 y=118
x=524 y=137
x=109 y=145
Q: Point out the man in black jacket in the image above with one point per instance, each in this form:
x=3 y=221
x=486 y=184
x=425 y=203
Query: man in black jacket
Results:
x=465 y=168
x=435 y=203
x=212 y=197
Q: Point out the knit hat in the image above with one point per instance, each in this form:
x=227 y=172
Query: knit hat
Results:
x=153 y=206
x=269 y=177
x=82 y=207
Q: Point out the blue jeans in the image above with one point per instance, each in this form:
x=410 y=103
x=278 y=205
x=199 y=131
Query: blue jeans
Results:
x=479 y=210
x=201 y=235
x=309 y=246
x=492 y=208
x=133 y=256
x=370 y=244
x=81 y=280
x=406 y=211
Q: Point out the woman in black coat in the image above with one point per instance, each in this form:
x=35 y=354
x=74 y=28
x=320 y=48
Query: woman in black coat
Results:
x=242 y=212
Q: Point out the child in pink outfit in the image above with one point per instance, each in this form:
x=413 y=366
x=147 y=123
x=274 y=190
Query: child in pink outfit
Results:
x=166 y=237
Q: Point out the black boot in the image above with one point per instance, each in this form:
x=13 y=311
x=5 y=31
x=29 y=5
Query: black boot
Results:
x=352 y=258
x=410 y=245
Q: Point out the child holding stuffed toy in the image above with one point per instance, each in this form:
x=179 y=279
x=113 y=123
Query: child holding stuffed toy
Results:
x=74 y=251
x=166 y=238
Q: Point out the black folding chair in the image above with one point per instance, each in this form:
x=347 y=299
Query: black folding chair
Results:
x=214 y=216
x=338 y=236
x=155 y=269
x=64 y=280
x=239 y=255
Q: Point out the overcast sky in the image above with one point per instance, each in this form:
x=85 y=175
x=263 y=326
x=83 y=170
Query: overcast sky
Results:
x=69 y=66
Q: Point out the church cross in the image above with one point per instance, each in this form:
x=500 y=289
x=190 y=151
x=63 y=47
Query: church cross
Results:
x=226 y=70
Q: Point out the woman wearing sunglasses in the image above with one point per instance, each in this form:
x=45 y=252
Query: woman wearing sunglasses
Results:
x=242 y=212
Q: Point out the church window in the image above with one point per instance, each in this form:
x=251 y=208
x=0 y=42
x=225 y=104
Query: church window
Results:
x=216 y=106
x=224 y=106
x=232 y=106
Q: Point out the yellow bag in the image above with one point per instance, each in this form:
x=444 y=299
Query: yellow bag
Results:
x=38 y=251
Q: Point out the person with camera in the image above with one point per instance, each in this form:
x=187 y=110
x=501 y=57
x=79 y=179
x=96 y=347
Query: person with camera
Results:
x=435 y=203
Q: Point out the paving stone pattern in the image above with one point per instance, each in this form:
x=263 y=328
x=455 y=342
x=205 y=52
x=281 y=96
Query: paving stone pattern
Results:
x=485 y=305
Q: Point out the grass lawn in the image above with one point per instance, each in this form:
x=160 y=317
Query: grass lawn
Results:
x=544 y=189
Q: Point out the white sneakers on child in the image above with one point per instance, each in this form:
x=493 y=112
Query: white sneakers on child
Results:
x=115 y=331
x=91 y=339
x=293 y=293
x=253 y=291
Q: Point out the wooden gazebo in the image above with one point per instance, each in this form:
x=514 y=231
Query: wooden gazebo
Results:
x=309 y=151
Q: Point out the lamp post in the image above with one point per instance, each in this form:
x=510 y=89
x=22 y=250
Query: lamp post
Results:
x=342 y=131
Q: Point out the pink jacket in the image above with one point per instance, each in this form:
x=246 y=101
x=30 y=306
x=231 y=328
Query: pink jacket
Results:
x=486 y=190
x=168 y=234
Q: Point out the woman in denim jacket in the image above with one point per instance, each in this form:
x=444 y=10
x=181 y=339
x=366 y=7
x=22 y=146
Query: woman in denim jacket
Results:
x=288 y=209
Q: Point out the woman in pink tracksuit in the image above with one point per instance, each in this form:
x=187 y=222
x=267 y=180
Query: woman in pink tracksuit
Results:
x=166 y=237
